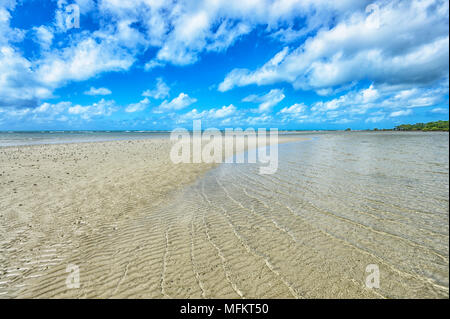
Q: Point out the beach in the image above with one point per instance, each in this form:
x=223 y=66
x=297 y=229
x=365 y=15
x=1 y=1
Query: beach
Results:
x=139 y=226
x=55 y=197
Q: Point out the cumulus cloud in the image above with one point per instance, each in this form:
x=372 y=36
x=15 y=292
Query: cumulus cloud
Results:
x=137 y=107
x=225 y=111
x=221 y=116
x=44 y=36
x=214 y=113
x=153 y=64
x=61 y=111
x=52 y=108
x=266 y=101
x=101 y=108
x=161 y=91
x=358 y=102
x=294 y=109
x=81 y=61
x=19 y=87
x=296 y=112
x=242 y=77
x=182 y=31
x=25 y=81
x=258 y=120
x=408 y=44
x=375 y=119
x=180 y=102
x=400 y=113
x=98 y=91
x=339 y=47
x=375 y=102
x=439 y=110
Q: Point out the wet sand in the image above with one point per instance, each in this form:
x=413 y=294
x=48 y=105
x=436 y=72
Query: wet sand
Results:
x=139 y=226
x=101 y=206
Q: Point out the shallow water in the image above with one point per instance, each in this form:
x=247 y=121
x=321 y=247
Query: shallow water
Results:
x=14 y=138
x=340 y=202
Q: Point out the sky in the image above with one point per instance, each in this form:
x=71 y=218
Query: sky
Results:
x=160 y=64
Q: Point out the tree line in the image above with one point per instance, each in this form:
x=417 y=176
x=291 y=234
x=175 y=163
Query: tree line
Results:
x=430 y=126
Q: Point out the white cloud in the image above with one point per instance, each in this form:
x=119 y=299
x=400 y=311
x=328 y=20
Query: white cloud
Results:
x=225 y=115
x=52 y=109
x=343 y=121
x=294 y=109
x=78 y=109
x=296 y=112
x=266 y=101
x=401 y=113
x=358 y=102
x=180 y=102
x=18 y=84
x=82 y=61
x=409 y=46
x=61 y=111
x=44 y=36
x=182 y=30
x=242 y=77
x=259 y=120
x=224 y=111
x=226 y=34
x=8 y=34
x=369 y=95
x=439 y=110
x=161 y=91
x=152 y=64
x=99 y=91
x=375 y=119
x=137 y=107
x=193 y=114
x=102 y=108
x=24 y=82
x=378 y=101
x=405 y=57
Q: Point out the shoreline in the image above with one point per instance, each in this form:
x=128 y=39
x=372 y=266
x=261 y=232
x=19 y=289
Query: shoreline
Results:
x=165 y=135
x=139 y=226
x=55 y=196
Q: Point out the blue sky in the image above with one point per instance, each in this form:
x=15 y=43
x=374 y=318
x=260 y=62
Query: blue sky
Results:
x=157 y=65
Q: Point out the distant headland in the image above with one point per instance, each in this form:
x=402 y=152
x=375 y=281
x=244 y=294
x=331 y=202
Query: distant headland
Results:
x=438 y=126
x=430 y=126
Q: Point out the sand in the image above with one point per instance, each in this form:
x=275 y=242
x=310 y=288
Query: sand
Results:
x=103 y=207
x=138 y=226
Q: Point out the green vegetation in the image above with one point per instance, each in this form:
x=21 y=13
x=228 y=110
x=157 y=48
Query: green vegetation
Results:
x=430 y=126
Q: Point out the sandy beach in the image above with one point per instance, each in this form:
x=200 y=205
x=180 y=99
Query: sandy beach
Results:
x=55 y=199
x=90 y=204
x=139 y=226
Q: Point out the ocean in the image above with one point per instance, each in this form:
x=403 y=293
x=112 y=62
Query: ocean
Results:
x=340 y=205
x=15 y=138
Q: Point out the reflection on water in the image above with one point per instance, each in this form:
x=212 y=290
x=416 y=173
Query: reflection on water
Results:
x=340 y=202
